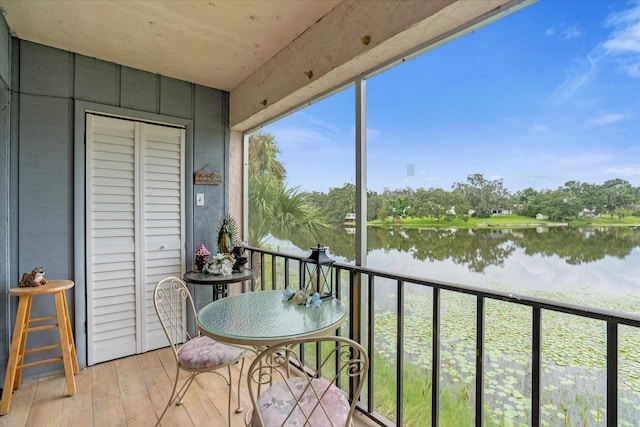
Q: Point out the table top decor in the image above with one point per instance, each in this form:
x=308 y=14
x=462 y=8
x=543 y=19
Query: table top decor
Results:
x=202 y=257
x=227 y=233
x=229 y=244
x=302 y=297
x=238 y=253
x=219 y=264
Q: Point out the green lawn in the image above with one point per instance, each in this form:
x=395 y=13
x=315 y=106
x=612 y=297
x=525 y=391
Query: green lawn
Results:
x=504 y=221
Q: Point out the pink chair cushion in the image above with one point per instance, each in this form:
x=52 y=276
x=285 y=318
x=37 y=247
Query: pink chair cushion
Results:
x=277 y=401
x=203 y=352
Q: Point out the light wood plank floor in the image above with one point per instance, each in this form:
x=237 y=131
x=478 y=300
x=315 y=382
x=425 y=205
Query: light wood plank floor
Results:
x=131 y=391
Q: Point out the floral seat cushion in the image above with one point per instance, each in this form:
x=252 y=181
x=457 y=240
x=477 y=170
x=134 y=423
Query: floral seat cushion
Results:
x=277 y=402
x=203 y=352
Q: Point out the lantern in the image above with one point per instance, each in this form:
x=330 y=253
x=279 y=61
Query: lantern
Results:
x=317 y=272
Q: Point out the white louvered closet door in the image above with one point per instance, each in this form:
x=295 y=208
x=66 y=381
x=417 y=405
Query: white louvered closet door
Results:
x=135 y=231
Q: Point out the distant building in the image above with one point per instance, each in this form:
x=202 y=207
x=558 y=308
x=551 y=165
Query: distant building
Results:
x=588 y=213
x=541 y=216
x=350 y=218
x=501 y=211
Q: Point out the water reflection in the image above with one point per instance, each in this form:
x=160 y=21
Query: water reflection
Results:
x=558 y=259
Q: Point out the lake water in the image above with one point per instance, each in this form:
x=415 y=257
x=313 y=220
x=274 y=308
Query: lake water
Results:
x=523 y=271
x=566 y=262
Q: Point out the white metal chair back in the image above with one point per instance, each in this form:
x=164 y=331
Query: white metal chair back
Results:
x=172 y=301
x=194 y=354
x=315 y=396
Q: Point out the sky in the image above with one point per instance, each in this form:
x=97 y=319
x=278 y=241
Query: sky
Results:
x=546 y=95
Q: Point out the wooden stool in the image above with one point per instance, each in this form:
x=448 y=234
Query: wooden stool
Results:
x=23 y=326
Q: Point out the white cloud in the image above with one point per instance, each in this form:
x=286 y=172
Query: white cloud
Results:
x=303 y=130
x=564 y=160
x=570 y=33
x=573 y=82
x=372 y=133
x=607 y=118
x=567 y=33
x=585 y=158
x=632 y=70
x=624 y=170
x=290 y=137
x=537 y=127
x=624 y=41
x=622 y=46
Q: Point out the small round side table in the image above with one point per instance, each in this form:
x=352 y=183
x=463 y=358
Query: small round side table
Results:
x=219 y=282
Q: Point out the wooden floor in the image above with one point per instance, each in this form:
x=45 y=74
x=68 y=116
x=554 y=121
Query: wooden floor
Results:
x=131 y=391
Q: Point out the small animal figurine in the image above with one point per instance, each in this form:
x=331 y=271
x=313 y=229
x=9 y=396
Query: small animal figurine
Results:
x=33 y=279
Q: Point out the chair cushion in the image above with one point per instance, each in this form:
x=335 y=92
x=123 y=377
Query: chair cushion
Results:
x=276 y=402
x=203 y=352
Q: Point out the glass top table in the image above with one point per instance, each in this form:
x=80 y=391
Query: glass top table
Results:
x=262 y=318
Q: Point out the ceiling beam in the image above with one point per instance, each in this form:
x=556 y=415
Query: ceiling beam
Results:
x=354 y=39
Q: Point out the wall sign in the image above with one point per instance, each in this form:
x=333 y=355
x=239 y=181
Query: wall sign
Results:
x=207 y=176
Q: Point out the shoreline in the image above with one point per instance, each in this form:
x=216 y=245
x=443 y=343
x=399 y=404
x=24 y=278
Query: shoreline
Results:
x=526 y=224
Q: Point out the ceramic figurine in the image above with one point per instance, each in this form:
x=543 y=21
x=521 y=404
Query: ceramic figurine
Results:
x=240 y=259
x=202 y=257
x=227 y=232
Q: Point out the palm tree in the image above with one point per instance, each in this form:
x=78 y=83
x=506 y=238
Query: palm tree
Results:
x=263 y=151
x=281 y=212
x=274 y=209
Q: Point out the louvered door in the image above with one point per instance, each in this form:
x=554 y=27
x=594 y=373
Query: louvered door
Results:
x=135 y=237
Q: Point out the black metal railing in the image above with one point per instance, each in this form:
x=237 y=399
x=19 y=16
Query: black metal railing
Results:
x=275 y=270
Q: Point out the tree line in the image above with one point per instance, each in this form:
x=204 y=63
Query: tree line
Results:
x=284 y=212
x=481 y=197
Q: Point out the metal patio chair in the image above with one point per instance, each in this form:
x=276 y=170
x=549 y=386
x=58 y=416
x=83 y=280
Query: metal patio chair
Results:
x=194 y=354
x=314 y=397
